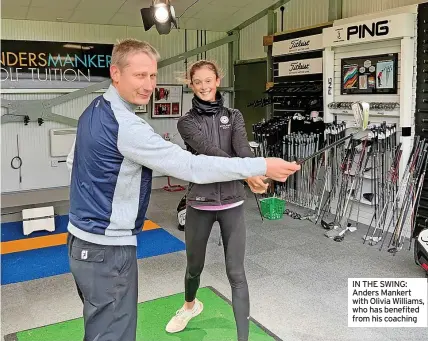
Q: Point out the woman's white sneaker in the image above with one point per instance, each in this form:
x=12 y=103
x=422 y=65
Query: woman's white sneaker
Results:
x=183 y=316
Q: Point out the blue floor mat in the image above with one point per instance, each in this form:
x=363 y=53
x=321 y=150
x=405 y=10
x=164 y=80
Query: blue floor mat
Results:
x=51 y=261
x=14 y=230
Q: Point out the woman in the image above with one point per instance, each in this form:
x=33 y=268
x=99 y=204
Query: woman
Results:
x=209 y=128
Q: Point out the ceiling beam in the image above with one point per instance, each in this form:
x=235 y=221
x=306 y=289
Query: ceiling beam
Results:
x=230 y=38
x=259 y=15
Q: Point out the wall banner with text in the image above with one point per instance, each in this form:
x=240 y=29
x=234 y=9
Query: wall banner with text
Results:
x=53 y=65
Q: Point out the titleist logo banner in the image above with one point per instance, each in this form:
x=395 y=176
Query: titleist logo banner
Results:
x=298 y=45
x=300 y=67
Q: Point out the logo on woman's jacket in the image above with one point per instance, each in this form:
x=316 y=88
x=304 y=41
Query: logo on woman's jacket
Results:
x=224 y=122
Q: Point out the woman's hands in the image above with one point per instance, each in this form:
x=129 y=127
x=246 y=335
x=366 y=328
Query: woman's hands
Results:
x=257 y=184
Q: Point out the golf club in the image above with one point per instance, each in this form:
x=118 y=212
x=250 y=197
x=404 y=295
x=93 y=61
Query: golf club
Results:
x=361 y=116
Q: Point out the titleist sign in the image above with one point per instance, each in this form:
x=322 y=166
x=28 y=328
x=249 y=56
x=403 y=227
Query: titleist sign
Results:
x=297 y=45
x=295 y=66
x=300 y=67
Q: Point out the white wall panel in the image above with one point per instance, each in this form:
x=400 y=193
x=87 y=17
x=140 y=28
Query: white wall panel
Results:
x=55 y=31
x=352 y=8
x=303 y=13
x=251 y=40
x=219 y=55
x=191 y=43
x=297 y=14
x=37 y=171
x=168 y=46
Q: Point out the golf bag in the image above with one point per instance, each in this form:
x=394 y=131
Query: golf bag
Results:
x=421 y=249
x=181 y=213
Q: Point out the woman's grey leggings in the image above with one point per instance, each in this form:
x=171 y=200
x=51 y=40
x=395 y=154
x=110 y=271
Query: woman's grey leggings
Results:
x=233 y=231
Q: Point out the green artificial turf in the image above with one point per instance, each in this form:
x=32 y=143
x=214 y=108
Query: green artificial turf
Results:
x=215 y=323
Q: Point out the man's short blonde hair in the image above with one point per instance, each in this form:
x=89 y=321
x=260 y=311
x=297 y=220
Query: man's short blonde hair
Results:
x=127 y=47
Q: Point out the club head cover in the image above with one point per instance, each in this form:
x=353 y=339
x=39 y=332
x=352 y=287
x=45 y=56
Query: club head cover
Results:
x=368 y=196
x=361 y=111
x=326 y=225
x=339 y=238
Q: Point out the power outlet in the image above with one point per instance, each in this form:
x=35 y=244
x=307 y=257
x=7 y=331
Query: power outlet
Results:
x=54 y=163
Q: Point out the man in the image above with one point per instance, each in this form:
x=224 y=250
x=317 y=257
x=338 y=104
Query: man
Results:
x=111 y=165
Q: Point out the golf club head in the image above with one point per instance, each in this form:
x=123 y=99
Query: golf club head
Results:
x=368 y=196
x=361 y=114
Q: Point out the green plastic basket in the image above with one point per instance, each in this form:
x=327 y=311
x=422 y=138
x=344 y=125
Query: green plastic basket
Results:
x=272 y=208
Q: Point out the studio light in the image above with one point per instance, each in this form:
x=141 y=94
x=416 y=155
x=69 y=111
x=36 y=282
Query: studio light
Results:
x=160 y=14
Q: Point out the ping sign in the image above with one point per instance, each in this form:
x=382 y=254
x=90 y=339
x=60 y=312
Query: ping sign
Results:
x=395 y=26
x=378 y=28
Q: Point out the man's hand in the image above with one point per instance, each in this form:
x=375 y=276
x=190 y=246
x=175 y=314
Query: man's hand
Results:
x=279 y=170
x=257 y=185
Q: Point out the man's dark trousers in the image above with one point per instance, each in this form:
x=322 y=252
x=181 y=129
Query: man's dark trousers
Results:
x=107 y=278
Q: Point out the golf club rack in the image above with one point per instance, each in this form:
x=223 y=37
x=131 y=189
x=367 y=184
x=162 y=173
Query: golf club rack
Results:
x=364 y=170
x=373 y=179
x=293 y=97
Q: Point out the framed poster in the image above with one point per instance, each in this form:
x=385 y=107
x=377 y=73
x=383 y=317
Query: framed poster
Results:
x=141 y=109
x=167 y=101
x=369 y=75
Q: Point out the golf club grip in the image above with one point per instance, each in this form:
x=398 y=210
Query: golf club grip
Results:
x=322 y=150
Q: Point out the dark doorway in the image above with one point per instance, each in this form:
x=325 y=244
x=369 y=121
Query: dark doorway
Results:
x=250 y=83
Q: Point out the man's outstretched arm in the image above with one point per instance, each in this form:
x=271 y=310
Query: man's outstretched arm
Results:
x=141 y=144
x=138 y=142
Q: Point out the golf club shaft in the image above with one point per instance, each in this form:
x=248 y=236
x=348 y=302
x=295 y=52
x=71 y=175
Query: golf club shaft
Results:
x=322 y=150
